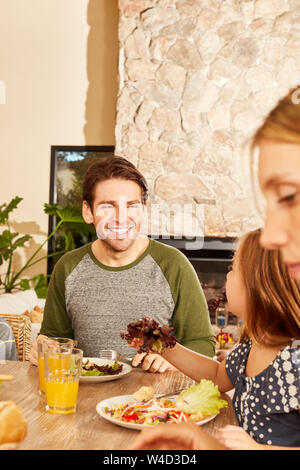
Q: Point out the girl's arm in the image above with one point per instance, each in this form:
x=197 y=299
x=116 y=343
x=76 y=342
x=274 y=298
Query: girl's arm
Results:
x=198 y=367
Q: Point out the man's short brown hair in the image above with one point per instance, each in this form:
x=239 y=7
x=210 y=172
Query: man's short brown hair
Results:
x=111 y=167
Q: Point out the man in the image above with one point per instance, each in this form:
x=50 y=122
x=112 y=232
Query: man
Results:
x=97 y=289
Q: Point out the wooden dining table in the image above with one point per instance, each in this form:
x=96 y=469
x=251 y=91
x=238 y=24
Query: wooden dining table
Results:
x=86 y=429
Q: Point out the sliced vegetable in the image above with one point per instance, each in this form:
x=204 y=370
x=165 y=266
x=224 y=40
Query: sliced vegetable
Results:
x=132 y=417
x=92 y=373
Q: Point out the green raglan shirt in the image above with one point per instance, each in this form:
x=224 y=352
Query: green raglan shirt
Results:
x=94 y=303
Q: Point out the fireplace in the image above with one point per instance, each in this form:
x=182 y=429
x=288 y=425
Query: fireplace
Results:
x=211 y=260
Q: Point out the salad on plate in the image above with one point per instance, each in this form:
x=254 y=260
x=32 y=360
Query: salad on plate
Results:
x=92 y=369
x=97 y=369
x=199 y=403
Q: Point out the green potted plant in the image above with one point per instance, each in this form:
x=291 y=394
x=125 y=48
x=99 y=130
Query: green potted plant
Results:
x=68 y=221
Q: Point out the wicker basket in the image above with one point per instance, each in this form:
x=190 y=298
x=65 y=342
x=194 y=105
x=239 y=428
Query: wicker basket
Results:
x=21 y=326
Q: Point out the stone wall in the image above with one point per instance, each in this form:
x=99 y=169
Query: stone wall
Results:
x=196 y=78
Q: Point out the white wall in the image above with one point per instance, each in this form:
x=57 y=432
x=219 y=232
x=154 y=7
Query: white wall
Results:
x=54 y=95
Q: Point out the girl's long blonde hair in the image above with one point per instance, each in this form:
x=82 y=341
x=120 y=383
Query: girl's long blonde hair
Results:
x=273 y=296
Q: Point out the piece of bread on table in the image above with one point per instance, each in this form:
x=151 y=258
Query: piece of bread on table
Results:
x=13 y=426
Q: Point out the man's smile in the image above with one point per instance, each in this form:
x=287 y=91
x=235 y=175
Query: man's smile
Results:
x=120 y=231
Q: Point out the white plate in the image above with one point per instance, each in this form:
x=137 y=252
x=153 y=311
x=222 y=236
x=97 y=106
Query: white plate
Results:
x=104 y=378
x=109 y=402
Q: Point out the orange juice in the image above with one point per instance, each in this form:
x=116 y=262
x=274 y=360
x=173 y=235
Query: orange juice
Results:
x=58 y=362
x=61 y=396
x=51 y=344
x=61 y=374
x=55 y=363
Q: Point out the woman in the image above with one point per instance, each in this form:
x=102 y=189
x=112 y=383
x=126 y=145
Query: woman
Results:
x=278 y=141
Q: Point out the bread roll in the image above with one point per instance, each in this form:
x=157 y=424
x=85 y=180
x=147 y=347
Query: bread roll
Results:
x=36 y=317
x=13 y=426
x=38 y=309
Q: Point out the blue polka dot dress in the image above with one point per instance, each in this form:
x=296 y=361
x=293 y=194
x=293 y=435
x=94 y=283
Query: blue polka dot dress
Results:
x=267 y=405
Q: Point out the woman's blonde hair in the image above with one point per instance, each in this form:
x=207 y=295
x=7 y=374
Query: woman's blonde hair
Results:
x=283 y=122
x=273 y=296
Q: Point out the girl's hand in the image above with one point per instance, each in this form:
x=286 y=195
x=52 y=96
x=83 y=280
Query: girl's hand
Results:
x=152 y=362
x=236 y=438
x=136 y=343
x=182 y=436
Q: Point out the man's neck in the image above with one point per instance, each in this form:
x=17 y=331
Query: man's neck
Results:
x=109 y=257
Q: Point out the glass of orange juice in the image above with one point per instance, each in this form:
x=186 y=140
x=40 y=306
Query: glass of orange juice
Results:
x=62 y=371
x=45 y=344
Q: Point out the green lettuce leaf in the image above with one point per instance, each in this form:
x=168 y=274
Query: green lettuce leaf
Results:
x=92 y=372
x=203 y=399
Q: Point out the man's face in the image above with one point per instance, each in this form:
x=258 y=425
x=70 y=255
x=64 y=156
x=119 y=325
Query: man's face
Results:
x=117 y=212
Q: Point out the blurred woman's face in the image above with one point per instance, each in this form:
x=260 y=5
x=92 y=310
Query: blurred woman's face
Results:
x=279 y=178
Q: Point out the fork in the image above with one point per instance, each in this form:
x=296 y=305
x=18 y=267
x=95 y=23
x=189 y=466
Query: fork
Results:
x=164 y=395
x=113 y=355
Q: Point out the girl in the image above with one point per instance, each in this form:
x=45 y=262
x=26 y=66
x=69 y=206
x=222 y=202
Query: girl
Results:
x=263 y=367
